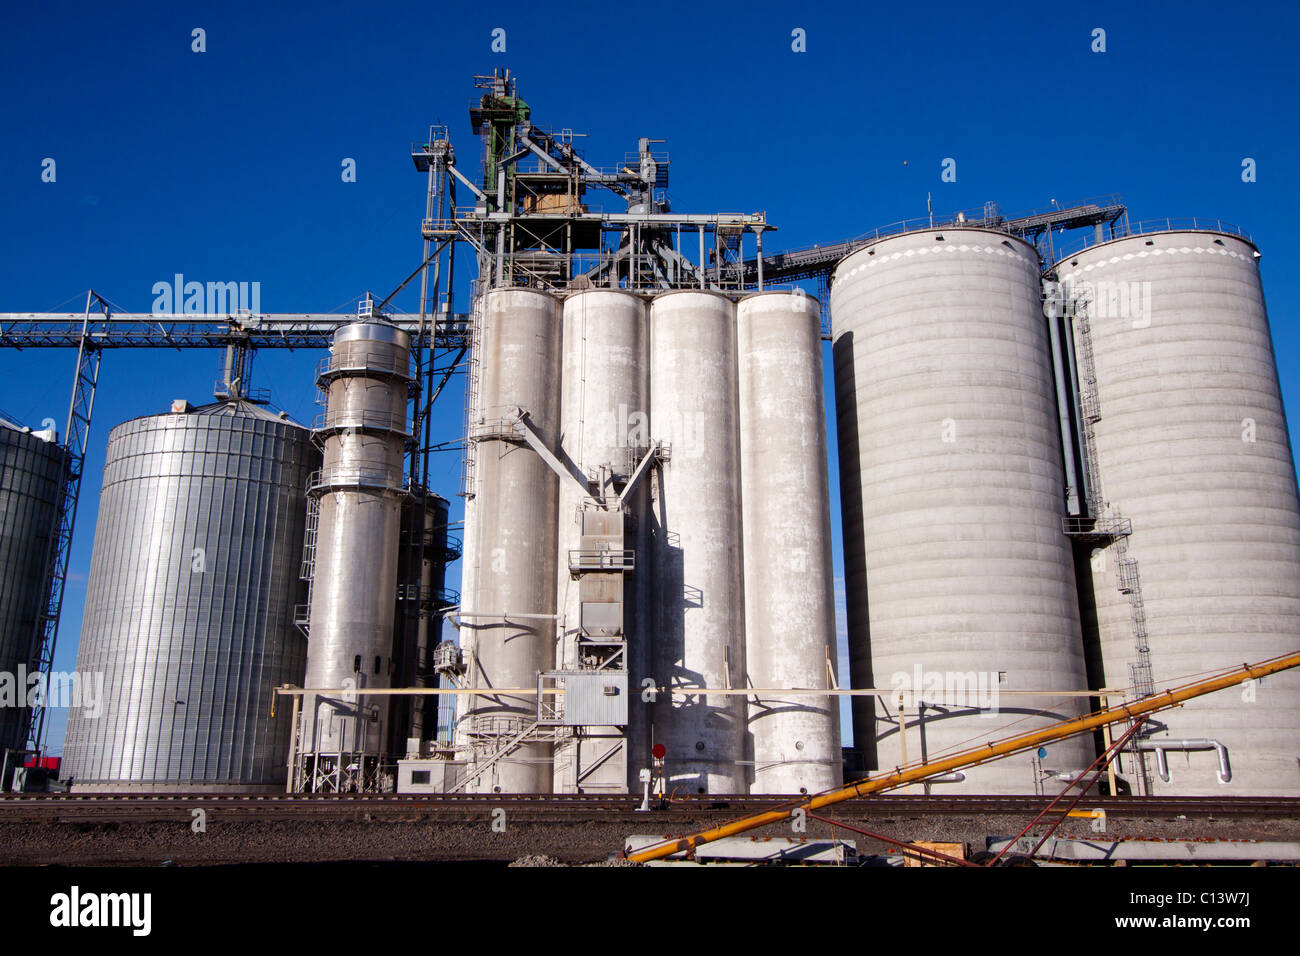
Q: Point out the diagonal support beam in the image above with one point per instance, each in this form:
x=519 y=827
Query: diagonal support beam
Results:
x=528 y=432
x=656 y=452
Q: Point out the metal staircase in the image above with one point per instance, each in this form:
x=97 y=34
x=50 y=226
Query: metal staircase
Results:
x=504 y=750
x=517 y=731
x=1111 y=528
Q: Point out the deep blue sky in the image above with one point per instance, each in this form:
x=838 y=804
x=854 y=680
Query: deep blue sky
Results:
x=225 y=165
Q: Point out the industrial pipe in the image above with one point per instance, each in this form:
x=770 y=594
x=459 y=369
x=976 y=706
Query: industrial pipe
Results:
x=1073 y=491
x=990 y=751
x=1161 y=749
x=957 y=776
x=456 y=616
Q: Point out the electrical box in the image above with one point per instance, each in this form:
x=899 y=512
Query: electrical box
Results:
x=428 y=775
x=595 y=698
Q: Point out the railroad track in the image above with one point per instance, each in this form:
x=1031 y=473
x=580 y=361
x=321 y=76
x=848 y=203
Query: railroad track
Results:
x=119 y=807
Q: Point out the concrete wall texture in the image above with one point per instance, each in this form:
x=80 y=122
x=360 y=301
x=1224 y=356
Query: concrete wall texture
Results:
x=956 y=564
x=1192 y=446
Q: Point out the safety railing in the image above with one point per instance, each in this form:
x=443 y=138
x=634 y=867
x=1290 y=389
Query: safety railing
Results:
x=1104 y=527
x=342 y=476
x=434 y=598
x=1122 y=230
x=390 y=362
x=599 y=560
x=258 y=396
x=496 y=429
x=364 y=420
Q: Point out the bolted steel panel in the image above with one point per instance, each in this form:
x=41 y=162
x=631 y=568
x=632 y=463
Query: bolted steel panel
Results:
x=595 y=698
x=29 y=492
x=189 y=605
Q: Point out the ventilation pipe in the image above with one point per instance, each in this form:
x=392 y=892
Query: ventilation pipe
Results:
x=1161 y=749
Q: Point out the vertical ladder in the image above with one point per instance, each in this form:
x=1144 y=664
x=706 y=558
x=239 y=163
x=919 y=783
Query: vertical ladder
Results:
x=1128 y=576
x=1089 y=406
x=468 y=487
x=46 y=633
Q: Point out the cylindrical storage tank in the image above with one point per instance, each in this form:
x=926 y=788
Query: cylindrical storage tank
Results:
x=959 y=577
x=789 y=579
x=699 y=622
x=1192 y=447
x=604 y=422
x=31 y=464
x=190 y=603
x=511 y=614
x=354 y=583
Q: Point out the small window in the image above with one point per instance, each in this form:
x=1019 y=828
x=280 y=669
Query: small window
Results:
x=1151 y=242
x=420 y=776
x=378 y=663
x=938 y=239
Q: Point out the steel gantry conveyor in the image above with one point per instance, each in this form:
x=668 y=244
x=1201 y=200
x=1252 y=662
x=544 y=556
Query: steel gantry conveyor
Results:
x=286 y=330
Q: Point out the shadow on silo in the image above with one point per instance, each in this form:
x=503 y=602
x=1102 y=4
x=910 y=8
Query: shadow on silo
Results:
x=862 y=755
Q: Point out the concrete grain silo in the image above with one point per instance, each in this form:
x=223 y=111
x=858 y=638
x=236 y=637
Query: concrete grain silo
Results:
x=699 y=615
x=958 y=574
x=190 y=601
x=511 y=548
x=789 y=589
x=605 y=403
x=1191 y=446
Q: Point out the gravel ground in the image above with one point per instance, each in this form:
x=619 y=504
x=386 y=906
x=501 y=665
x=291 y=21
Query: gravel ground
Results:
x=528 y=842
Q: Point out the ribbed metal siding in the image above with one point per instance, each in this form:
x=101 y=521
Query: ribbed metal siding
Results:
x=162 y=632
x=29 y=488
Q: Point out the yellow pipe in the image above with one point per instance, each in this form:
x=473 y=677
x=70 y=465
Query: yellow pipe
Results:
x=978 y=755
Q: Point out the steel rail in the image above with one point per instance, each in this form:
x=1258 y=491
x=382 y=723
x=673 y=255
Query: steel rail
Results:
x=991 y=751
